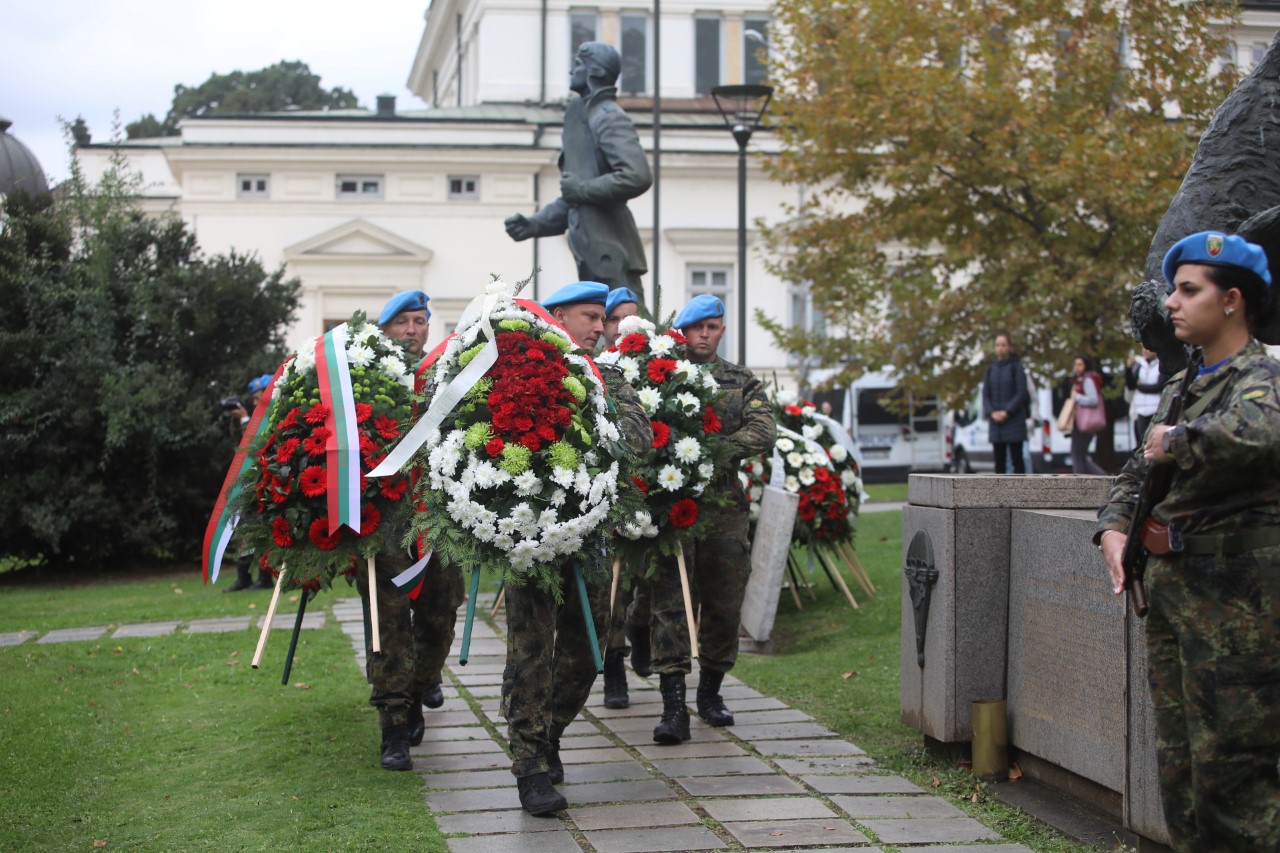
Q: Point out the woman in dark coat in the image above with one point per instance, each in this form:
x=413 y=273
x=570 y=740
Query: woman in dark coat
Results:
x=1006 y=402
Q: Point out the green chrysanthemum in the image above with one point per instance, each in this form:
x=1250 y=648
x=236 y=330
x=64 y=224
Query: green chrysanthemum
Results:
x=466 y=357
x=560 y=342
x=575 y=387
x=477 y=435
x=515 y=458
x=481 y=389
x=514 y=325
x=563 y=456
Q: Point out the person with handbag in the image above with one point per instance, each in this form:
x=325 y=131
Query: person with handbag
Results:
x=1090 y=416
x=1213 y=578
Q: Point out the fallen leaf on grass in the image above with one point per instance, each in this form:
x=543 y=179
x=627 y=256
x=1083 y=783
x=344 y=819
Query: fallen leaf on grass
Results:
x=295 y=797
x=119 y=650
x=850 y=674
x=293 y=599
x=884 y=538
x=937 y=783
x=302 y=685
x=93 y=704
x=232 y=662
x=1015 y=772
x=253 y=607
x=98 y=842
x=135 y=671
x=177 y=591
x=974 y=798
x=233 y=654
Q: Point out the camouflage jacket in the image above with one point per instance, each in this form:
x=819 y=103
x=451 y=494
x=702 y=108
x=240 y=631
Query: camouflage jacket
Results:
x=633 y=423
x=746 y=417
x=1228 y=458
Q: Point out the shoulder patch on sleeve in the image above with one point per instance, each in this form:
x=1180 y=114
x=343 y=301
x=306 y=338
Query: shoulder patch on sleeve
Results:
x=755 y=404
x=1253 y=395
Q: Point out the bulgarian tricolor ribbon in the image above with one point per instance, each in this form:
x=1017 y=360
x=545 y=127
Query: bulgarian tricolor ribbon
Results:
x=410 y=581
x=342 y=447
x=221 y=521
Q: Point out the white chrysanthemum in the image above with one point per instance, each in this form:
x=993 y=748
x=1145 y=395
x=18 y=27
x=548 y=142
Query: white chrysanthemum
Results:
x=795 y=460
x=606 y=429
x=523 y=515
x=670 y=478
x=686 y=371
x=306 y=360
x=709 y=381
x=688 y=402
x=563 y=477
x=755 y=511
x=487 y=475
x=392 y=366
x=582 y=482
x=591 y=459
x=706 y=471
x=360 y=355
x=507 y=526
x=806 y=476
x=527 y=483
x=484 y=532
x=792 y=484
x=504 y=541
x=811 y=431
x=363 y=331
x=807 y=410
x=687 y=450
x=630 y=368
x=558 y=497
x=547 y=517
x=522 y=556
x=838 y=453
x=650 y=398
x=608 y=357
x=700 y=488
x=848 y=477
x=786 y=445
x=757 y=492
x=661 y=344
x=634 y=323
x=810 y=459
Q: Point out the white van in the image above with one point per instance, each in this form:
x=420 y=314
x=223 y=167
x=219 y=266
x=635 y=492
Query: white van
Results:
x=893 y=445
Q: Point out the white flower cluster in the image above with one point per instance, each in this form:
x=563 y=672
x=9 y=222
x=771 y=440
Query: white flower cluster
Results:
x=359 y=354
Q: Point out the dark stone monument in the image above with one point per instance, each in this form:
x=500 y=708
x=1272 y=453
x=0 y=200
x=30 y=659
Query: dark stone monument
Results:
x=602 y=166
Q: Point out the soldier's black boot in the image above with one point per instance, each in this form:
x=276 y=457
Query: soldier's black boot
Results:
x=395 y=748
x=537 y=797
x=674 y=726
x=264 y=581
x=433 y=696
x=417 y=724
x=710 y=706
x=641 y=653
x=555 y=767
x=244 y=579
x=615 y=681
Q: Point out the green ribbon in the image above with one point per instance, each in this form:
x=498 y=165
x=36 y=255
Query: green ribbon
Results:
x=586 y=617
x=471 y=617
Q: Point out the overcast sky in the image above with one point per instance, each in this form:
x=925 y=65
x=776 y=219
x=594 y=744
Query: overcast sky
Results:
x=89 y=58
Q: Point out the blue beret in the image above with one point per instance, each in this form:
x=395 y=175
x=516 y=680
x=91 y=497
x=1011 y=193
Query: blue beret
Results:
x=580 y=291
x=260 y=383
x=405 y=300
x=618 y=296
x=699 y=308
x=1215 y=249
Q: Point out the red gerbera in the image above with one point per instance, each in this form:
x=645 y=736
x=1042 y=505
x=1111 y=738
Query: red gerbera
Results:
x=393 y=489
x=386 y=427
x=312 y=481
x=684 y=513
x=290 y=420
x=281 y=533
x=287 y=449
x=634 y=342
x=317 y=413
x=660 y=368
x=822 y=475
x=370 y=519
x=644 y=490
x=280 y=489
x=363 y=412
x=792 y=410
x=313 y=445
x=661 y=433
x=367 y=445
x=711 y=421
x=319 y=533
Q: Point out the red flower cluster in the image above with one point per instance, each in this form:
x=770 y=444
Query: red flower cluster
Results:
x=528 y=378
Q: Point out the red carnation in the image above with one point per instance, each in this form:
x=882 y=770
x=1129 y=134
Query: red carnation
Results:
x=287 y=449
x=363 y=412
x=822 y=475
x=494 y=446
x=281 y=533
x=317 y=413
x=660 y=368
x=644 y=490
x=535 y=354
x=312 y=481
x=370 y=519
x=808 y=511
x=634 y=342
x=393 y=489
x=546 y=433
x=319 y=533
x=386 y=427
x=661 y=433
x=531 y=441
x=684 y=513
x=711 y=421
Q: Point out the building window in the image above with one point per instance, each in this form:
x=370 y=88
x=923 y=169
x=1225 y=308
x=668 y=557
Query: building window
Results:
x=635 y=41
x=464 y=187
x=582 y=29
x=360 y=186
x=805 y=317
x=253 y=186
x=706 y=60
x=715 y=280
x=1256 y=54
x=755 y=50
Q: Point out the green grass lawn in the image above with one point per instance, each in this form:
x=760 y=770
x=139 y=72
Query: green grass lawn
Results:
x=886 y=492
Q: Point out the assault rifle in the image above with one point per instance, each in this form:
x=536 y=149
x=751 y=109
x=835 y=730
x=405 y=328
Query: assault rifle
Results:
x=1155 y=485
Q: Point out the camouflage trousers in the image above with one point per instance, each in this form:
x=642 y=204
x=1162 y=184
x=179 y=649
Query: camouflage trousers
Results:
x=1213 y=636
x=718 y=568
x=632 y=606
x=414 y=635
x=549 y=669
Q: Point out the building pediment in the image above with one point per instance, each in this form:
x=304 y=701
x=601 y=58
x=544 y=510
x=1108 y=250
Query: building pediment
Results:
x=358 y=240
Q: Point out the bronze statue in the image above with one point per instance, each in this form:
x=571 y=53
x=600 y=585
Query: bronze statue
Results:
x=602 y=166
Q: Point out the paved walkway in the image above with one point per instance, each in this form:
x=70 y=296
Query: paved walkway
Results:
x=776 y=780
x=312 y=619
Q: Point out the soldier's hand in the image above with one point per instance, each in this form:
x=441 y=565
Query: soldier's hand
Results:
x=572 y=189
x=518 y=227
x=1112 y=544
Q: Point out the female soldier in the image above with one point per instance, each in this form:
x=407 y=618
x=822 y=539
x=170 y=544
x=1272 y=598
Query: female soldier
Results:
x=1213 y=633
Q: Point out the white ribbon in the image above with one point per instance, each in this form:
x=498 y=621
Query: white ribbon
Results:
x=443 y=404
x=846 y=441
x=408 y=574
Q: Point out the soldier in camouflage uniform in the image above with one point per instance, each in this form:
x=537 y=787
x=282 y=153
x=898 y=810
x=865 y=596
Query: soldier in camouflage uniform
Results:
x=719 y=564
x=549 y=669
x=1213 y=631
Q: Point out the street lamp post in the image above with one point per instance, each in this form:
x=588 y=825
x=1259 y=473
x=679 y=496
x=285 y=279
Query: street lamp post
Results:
x=742 y=107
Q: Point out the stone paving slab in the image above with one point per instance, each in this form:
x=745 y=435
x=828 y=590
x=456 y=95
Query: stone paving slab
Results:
x=636 y=709
x=436 y=718
x=587 y=742
x=692 y=749
x=455 y=747
x=476 y=679
x=73 y=635
x=16 y=638
x=485 y=690
x=861 y=785
x=975 y=848
x=930 y=831
x=460 y=732
x=795 y=833
x=739 y=786
x=311 y=620
x=621 y=725
x=555 y=840
x=654 y=840
x=223 y=625
x=614 y=771
x=471 y=779
x=800 y=748
x=593 y=756
x=859 y=808
x=713 y=766
x=645 y=737
x=777 y=808
x=637 y=815
x=466 y=761
x=145 y=629
x=782 y=731
x=752 y=718
x=484 y=823
x=832 y=766
x=635 y=791
x=475 y=799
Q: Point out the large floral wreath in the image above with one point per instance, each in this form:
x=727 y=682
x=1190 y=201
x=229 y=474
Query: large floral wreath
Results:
x=524 y=467
x=817 y=466
x=306 y=507
x=687 y=448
